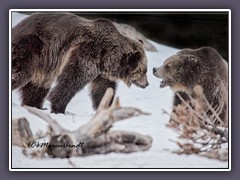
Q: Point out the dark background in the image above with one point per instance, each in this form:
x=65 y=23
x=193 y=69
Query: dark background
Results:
x=179 y=30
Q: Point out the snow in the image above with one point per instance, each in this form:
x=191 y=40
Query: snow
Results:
x=79 y=111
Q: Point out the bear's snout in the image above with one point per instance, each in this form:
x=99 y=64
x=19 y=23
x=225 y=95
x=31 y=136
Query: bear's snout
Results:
x=143 y=85
x=154 y=70
x=142 y=82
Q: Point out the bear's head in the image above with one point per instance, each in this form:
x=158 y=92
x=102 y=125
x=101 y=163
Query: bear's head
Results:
x=176 y=71
x=133 y=65
x=188 y=68
x=136 y=69
x=122 y=58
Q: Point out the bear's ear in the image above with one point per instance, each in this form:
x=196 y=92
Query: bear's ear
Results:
x=134 y=58
x=141 y=41
x=137 y=55
x=206 y=52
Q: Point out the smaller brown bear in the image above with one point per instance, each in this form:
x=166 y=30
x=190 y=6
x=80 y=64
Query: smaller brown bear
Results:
x=191 y=67
x=73 y=51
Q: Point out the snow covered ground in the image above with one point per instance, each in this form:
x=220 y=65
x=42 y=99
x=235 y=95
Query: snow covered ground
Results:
x=79 y=111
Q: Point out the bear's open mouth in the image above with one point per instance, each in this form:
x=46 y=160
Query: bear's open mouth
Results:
x=163 y=83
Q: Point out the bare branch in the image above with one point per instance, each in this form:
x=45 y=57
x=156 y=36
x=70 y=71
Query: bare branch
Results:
x=57 y=129
x=95 y=135
x=198 y=123
x=105 y=102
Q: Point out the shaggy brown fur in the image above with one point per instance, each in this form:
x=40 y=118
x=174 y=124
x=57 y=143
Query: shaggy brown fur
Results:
x=188 y=68
x=75 y=51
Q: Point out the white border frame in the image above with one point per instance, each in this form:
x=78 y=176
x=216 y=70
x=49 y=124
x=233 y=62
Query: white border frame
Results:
x=120 y=10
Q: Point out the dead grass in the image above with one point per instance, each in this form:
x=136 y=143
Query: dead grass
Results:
x=200 y=128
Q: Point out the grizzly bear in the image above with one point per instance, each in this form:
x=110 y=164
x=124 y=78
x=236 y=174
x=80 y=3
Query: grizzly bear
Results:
x=190 y=67
x=73 y=51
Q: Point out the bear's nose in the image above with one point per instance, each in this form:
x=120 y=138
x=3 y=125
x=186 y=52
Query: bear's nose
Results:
x=154 y=70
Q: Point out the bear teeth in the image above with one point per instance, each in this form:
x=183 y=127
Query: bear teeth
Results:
x=163 y=83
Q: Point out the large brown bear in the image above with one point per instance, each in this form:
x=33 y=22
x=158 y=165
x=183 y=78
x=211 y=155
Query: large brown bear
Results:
x=74 y=51
x=190 y=67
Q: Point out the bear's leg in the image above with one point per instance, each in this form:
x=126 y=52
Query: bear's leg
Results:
x=33 y=95
x=98 y=88
x=72 y=80
x=78 y=71
x=177 y=100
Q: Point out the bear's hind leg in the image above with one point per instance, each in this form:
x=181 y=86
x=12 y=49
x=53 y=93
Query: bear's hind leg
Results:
x=98 y=87
x=33 y=95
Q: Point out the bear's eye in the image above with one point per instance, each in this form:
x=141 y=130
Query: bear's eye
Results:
x=141 y=41
x=179 y=68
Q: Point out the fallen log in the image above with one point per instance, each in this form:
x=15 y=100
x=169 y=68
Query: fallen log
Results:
x=21 y=132
x=95 y=137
